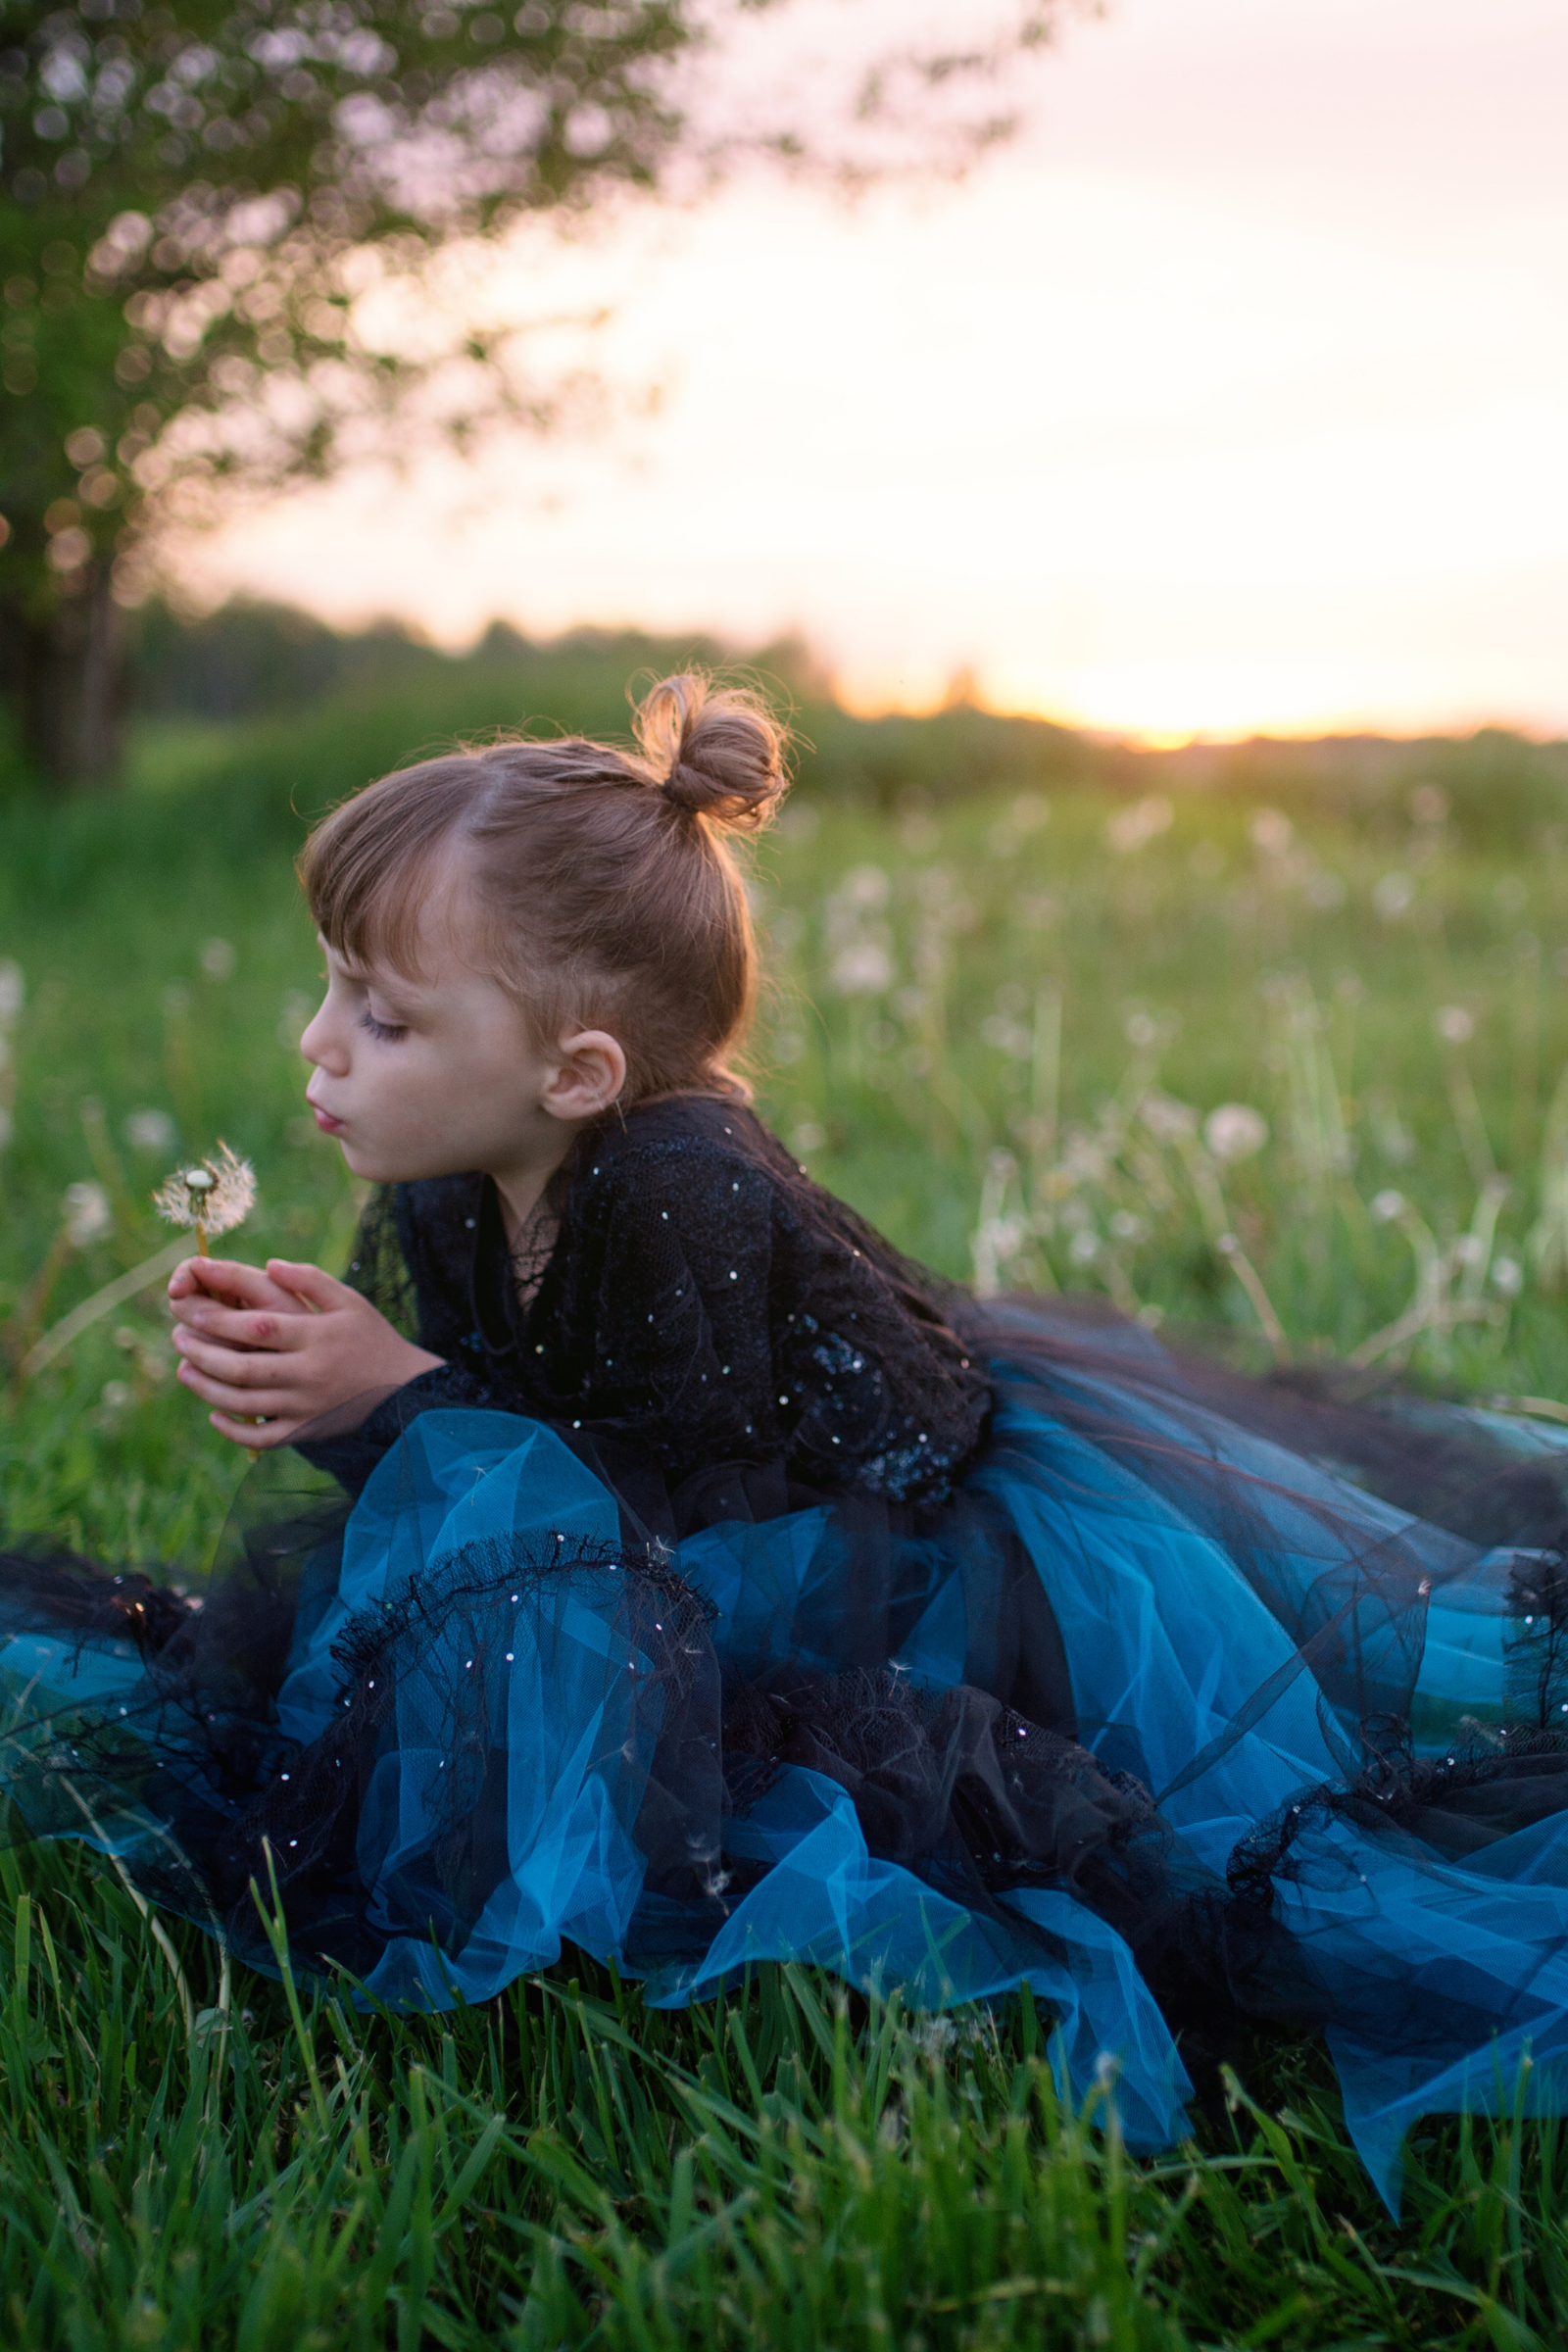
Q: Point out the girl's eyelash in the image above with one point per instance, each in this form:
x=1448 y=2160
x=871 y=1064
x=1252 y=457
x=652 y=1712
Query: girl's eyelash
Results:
x=382 y=1029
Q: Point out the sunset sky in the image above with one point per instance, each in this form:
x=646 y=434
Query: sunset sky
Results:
x=1233 y=396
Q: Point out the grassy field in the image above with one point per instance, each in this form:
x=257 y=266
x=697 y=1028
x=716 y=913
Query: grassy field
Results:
x=1002 y=1023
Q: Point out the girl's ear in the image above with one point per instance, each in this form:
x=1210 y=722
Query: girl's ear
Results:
x=589 y=1076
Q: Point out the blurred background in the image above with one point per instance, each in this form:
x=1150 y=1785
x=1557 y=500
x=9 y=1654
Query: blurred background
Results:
x=1128 y=443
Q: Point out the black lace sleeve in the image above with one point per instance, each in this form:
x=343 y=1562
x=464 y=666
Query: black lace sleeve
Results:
x=379 y=1269
x=410 y=1261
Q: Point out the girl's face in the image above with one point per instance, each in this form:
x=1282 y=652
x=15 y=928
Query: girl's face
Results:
x=440 y=1075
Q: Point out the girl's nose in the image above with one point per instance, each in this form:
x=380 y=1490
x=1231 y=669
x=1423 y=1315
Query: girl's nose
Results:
x=318 y=1044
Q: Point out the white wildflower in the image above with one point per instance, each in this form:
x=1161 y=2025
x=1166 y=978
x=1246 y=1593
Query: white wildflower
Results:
x=1126 y=1226
x=866 y=887
x=1168 y=1118
x=1142 y=1031
x=217 y=958
x=294 y=1019
x=1507 y=1277
x=1429 y=804
x=864 y=969
x=1392 y=895
x=1007 y=1036
x=1454 y=1025
x=149 y=1131
x=1138 y=824
x=1235 y=1131
x=1084 y=1247
x=87 y=1215
x=1271 y=832
x=1387 y=1205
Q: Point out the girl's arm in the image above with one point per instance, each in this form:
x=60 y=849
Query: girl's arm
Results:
x=273 y=1351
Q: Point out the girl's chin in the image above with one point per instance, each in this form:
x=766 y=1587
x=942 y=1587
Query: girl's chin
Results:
x=374 y=1167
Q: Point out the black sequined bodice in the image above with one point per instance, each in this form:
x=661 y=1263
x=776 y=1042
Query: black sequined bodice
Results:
x=703 y=1300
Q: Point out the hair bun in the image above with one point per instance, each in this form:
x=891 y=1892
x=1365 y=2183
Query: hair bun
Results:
x=715 y=752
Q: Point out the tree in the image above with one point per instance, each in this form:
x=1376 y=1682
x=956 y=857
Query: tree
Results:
x=200 y=201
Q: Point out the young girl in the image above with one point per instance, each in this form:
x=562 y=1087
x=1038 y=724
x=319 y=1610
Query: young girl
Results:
x=647 y=1556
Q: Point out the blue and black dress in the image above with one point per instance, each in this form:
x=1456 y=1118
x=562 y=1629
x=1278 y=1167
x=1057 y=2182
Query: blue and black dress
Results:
x=736 y=1591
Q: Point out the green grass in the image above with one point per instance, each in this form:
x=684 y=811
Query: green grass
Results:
x=191 y=2161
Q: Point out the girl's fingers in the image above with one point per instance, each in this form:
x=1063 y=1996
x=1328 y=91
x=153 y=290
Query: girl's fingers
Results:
x=244 y=1328
x=248 y=1435
x=254 y=1370
x=236 y=1398
x=318 y=1288
x=230 y=1282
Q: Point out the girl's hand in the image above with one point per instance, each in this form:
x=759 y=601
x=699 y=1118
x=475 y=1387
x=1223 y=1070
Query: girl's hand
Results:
x=285 y=1345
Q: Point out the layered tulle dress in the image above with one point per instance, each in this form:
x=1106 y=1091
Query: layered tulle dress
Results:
x=733 y=1593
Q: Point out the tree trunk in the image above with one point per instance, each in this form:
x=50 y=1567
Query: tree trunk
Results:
x=66 y=676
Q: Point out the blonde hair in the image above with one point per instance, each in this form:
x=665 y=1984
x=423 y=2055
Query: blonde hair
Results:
x=604 y=891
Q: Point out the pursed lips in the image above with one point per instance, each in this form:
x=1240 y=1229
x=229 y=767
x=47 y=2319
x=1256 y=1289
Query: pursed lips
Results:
x=323 y=1118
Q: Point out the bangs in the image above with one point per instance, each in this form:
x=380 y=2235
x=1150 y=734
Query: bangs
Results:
x=366 y=870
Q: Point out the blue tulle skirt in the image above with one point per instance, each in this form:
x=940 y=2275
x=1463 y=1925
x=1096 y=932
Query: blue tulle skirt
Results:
x=1161 y=1715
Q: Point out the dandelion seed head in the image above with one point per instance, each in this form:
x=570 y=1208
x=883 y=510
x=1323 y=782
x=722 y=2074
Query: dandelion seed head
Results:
x=215 y=1194
x=1235 y=1131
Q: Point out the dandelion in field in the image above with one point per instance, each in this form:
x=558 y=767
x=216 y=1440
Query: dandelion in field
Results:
x=214 y=1196
x=149 y=1131
x=1007 y=1036
x=86 y=1214
x=1271 y=832
x=1168 y=1118
x=864 y=969
x=1454 y=1025
x=1235 y=1131
x=294 y=1018
x=1134 y=827
x=865 y=887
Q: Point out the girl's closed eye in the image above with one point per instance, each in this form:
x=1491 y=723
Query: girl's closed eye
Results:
x=389 y=1031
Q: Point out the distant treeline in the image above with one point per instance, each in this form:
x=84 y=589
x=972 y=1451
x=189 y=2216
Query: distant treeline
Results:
x=259 y=661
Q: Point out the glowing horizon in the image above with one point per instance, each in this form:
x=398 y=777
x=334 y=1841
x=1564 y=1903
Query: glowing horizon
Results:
x=1232 y=401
